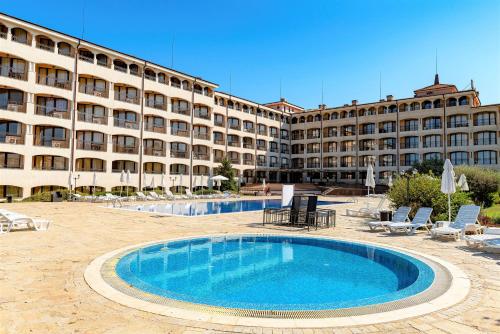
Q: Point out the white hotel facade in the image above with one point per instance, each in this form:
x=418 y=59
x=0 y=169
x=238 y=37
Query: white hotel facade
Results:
x=71 y=106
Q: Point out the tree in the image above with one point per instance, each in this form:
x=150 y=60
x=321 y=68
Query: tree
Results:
x=483 y=183
x=226 y=169
x=434 y=166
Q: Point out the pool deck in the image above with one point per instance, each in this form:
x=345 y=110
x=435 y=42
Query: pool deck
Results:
x=43 y=289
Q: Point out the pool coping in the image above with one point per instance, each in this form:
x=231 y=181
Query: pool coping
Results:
x=205 y=215
x=457 y=291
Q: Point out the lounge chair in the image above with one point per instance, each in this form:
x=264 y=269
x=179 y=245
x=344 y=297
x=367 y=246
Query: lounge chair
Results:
x=492 y=245
x=141 y=196
x=422 y=219
x=400 y=216
x=368 y=211
x=157 y=196
x=466 y=218
x=171 y=195
x=189 y=194
x=477 y=240
x=9 y=220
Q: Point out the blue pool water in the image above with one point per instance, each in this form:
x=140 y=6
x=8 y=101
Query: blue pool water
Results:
x=274 y=272
x=211 y=208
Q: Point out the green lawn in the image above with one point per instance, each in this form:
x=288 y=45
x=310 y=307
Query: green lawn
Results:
x=493 y=211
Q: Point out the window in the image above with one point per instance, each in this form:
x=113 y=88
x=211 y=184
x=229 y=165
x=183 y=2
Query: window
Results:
x=433 y=156
x=486 y=158
x=125 y=165
x=11 y=160
x=154 y=168
x=90 y=165
x=432 y=123
x=485 y=138
x=487 y=118
x=387 y=127
x=49 y=162
x=459 y=158
x=218 y=119
x=458 y=139
x=432 y=141
x=410 y=142
x=409 y=159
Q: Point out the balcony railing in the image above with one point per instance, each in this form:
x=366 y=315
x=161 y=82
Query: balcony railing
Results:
x=91 y=146
x=274 y=164
x=180 y=133
x=13 y=106
x=408 y=145
x=93 y=90
x=274 y=135
x=234 y=126
x=458 y=142
x=221 y=124
x=8 y=138
x=157 y=152
x=127 y=98
x=218 y=158
x=285 y=165
x=51 y=142
x=485 y=141
x=179 y=154
x=123 y=123
x=201 y=156
x=219 y=141
x=22 y=39
x=201 y=135
x=125 y=149
x=52 y=112
x=12 y=72
x=54 y=82
x=481 y=122
x=313 y=165
x=85 y=58
x=201 y=115
x=248 y=145
x=235 y=161
x=249 y=130
x=233 y=143
x=387 y=147
x=285 y=151
x=409 y=128
x=386 y=130
x=248 y=162
x=45 y=47
x=428 y=144
x=297 y=137
x=457 y=124
x=181 y=111
x=66 y=52
x=89 y=118
x=261 y=163
x=312 y=136
x=156 y=105
x=155 y=128
x=297 y=165
x=261 y=147
x=285 y=137
x=432 y=126
x=367 y=131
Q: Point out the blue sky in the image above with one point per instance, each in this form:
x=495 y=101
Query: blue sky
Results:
x=344 y=44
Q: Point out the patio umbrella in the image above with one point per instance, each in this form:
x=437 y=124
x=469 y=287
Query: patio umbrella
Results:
x=94 y=182
x=162 y=183
x=128 y=179
x=70 y=181
x=218 y=179
x=389 y=181
x=122 y=181
x=144 y=181
x=462 y=183
x=264 y=186
x=152 y=185
x=180 y=182
x=448 y=183
x=370 y=179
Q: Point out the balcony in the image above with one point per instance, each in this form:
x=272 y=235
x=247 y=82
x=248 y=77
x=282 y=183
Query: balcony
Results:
x=274 y=164
x=201 y=115
x=454 y=143
x=201 y=156
x=52 y=112
x=367 y=131
x=261 y=147
x=248 y=162
x=261 y=163
x=312 y=136
x=180 y=133
x=156 y=105
x=409 y=145
x=410 y=127
x=432 y=126
x=273 y=150
x=51 y=142
x=15 y=106
x=275 y=135
x=85 y=58
x=90 y=146
x=89 y=118
x=201 y=135
x=155 y=128
x=297 y=136
x=54 y=82
x=12 y=72
x=221 y=124
x=386 y=130
x=233 y=143
x=179 y=154
x=157 y=152
x=482 y=122
x=93 y=90
x=285 y=137
x=249 y=130
x=125 y=149
x=297 y=165
x=23 y=39
x=285 y=165
x=123 y=123
x=8 y=138
x=234 y=126
x=313 y=165
x=285 y=151
x=218 y=158
x=235 y=161
x=248 y=145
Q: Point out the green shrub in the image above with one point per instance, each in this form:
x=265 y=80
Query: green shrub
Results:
x=484 y=184
x=434 y=167
x=46 y=196
x=226 y=169
x=206 y=192
x=425 y=190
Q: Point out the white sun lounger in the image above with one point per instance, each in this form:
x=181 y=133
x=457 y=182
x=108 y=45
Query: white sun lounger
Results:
x=141 y=196
x=189 y=194
x=368 y=211
x=422 y=219
x=492 y=245
x=156 y=196
x=400 y=216
x=477 y=240
x=9 y=220
x=466 y=216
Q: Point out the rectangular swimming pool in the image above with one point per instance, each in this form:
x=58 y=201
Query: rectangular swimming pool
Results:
x=210 y=208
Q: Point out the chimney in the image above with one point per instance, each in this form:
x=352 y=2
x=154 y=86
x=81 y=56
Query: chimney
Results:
x=354 y=102
x=322 y=106
x=389 y=97
x=282 y=99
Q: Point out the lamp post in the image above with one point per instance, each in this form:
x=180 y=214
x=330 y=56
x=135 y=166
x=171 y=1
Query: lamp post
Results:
x=76 y=177
x=407 y=175
x=172 y=181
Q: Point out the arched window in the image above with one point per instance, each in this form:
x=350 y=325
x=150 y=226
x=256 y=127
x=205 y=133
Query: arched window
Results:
x=21 y=36
x=65 y=49
x=427 y=105
x=102 y=60
x=86 y=55
x=326 y=116
x=134 y=69
x=120 y=65
x=150 y=74
x=175 y=82
x=463 y=101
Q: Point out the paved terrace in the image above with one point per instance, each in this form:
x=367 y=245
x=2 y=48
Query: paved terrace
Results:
x=43 y=289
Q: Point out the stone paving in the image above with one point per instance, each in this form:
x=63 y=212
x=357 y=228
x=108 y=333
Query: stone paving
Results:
x=42 y=289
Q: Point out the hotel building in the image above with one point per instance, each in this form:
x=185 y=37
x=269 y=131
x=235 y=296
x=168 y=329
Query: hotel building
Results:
x=71 y=107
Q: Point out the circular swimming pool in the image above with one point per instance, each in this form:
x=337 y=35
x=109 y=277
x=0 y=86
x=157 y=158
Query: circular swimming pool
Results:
x=271 y=273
